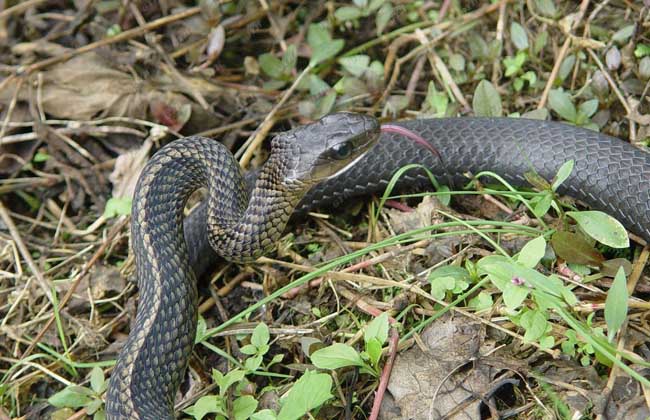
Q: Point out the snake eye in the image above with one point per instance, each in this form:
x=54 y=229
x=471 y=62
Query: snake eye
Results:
x=342 y=150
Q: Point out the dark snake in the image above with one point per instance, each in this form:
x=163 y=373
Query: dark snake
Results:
x=310 y=167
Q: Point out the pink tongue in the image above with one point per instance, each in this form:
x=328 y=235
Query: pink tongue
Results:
x=396 y=129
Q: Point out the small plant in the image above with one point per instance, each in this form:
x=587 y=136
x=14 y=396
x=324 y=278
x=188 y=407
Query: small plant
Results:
x=562 y=103
x=309 y=392
x=75 y=396
x=448 y=280
x=364 y=8
x=340 y=355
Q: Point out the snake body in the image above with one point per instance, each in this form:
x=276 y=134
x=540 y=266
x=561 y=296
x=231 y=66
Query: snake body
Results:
x=609 y=174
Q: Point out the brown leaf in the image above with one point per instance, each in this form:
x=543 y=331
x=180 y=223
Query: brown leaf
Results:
x=88 y=86
x=610 y=267
x=127 y=170
x=13 y=156
x=421 y=217
x=575 y=249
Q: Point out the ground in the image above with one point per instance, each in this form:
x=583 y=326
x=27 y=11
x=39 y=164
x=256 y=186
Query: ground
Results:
x=389 y=303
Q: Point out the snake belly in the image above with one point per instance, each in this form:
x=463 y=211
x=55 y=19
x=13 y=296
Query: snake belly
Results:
x=609 y=175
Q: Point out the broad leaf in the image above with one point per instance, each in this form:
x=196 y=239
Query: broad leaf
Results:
x=336 y=356
x=487 y=101
x=616 y=304
x=309 y=392
x=602 y=227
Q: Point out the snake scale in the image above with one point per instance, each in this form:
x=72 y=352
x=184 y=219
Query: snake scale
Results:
x=609 y=175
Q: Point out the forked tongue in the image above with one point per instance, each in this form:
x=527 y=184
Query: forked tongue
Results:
x=397 y=129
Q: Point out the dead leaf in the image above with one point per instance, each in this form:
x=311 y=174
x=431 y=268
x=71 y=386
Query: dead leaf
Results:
x=89 y=86
x=421 y=217
x=421 y=384
x=575 y=249
x=127 y=170
x=13 y=156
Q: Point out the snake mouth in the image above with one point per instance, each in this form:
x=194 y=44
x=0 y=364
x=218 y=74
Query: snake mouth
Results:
x=412 y=135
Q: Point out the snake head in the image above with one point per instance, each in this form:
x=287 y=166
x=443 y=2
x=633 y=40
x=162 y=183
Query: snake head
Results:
x=327 y=147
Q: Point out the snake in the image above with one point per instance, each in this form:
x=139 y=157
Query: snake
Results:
x=325 y=164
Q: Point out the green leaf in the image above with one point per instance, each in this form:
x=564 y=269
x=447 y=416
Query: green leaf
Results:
x=72 y=396
x=547 y=342
x=309 y=392
x=355 y=64
x=100 y=415
x=317 y=85
x=573 y=248
x=253 y=363
x=457 y=62
x=322 y=45
x=384 y=14
x=346 y=13
x=566 y=66
x=487 y=101
x=326 y=103
x=271 y=65
x=265 y=414
x=535 y=324
x=481 y=302
x=602 y=227
x=276 y=359
x=504 y=278
x=542 y=204
x=616 y=304
x=201 y=328
x=641 y=50
x=94 y=405
x=505 y=274
x=447 y=278
x=589 y=108
x=624 y=33
x=248 y=349
x=289 y=59
x=435 y=101
x=350 y=85
x=536 y=114
x=117 y=206
x=477 y=46
x=440 y=286
x=205 y=405
x=40 y=157
x=562 y=174
x=518 y=36
x=531 y=254
x=244 y=407
x=318 y=34
x=540 y=42
x=531 y=77
x=569 y=345
x=336 y=356
x=561 y=103
x=97 y=381
x=378 y=328
x=514 y=64
x=546 y=7
x=226 y=381
x=514 y=296
x=373 y=348
x=261 y=335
